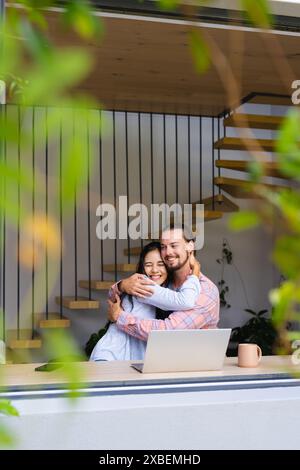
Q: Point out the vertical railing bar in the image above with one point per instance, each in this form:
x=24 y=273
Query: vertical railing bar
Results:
x=46 y=176
x=100 y=184
x=33 y=220
x=115 y=188
x=3 y=193
x=165 y=158
x=151 y=166
x=213 y=161
x=18 y=223
x=200 y=158
x=189 y=160
x=140 y=170
x=88 y=206
x=4 y=228
x=75 y=221
x=127 y=183
x=176 y=156
x=219 y=153
x=61 y=218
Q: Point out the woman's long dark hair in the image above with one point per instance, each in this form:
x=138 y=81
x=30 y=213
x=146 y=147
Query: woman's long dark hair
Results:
x=160 y=314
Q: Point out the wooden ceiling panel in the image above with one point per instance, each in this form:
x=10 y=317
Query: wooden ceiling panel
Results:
x=146 y=65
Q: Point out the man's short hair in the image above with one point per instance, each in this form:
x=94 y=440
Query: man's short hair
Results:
x=186 y=231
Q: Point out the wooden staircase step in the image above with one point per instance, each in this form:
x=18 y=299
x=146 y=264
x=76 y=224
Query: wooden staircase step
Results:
x=134 y=251
x=221 y=203
x=278 y=100
x=269 y=168
x=235 y=143
x=122 y=268
x=9 y=356
x=23 y=339
x=255 y=121
x=209 y=214
x=79 y=303
x=96 y=285
x=53 y=320
x=241 y=189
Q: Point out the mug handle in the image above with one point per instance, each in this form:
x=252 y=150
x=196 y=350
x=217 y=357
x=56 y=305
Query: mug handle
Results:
x=259 y=352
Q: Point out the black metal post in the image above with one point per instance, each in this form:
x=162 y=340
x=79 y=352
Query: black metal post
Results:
x=213 y=160
x=200 y=156
x=100 y=185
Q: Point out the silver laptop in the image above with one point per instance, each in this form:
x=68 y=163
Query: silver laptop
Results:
x=185 y=350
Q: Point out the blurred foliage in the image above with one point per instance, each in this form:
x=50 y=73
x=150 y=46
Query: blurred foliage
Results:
x=37 y=72
x=243 y=220
x=258 y=12
x=200 y=51
x=7 y=438
x=62 y=346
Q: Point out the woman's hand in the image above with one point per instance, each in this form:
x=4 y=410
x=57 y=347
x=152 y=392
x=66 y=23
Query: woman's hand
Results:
x=195 y=265
x=137 y=285
x=114 y=309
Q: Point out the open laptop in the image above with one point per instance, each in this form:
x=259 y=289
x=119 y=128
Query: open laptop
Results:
x=185 y=350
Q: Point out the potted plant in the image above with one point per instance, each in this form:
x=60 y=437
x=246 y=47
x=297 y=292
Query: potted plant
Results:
x=258 y=329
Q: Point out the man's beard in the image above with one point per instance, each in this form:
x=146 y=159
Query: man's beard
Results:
x=179 y=266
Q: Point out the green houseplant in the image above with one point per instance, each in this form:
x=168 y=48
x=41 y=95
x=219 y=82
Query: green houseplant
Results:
x=94 y=338
x=258 y=329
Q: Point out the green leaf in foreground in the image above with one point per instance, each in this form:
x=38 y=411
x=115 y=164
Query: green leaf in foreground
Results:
x=258 y=12
x=7 y=408
x=288 y=145
x=243 y=220
x=200 y=51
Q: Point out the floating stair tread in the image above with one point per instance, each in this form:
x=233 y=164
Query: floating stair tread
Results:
x=54 y=320
x=256 y=121
x=79 y=303
x=276 y=100
x=240 y=188
x=96 y=285
x=235 y=143
x=22 y=339
x=221 y=203
x=269 y=168
x=134 y=251
x=123 y=267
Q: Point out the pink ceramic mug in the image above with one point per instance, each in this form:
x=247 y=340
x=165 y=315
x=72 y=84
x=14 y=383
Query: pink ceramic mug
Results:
x=249 y=355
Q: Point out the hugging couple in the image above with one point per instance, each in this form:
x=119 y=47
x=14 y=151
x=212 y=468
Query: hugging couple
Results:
x=167 y=292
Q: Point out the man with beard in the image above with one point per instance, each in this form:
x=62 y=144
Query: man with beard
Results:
x=177 y=246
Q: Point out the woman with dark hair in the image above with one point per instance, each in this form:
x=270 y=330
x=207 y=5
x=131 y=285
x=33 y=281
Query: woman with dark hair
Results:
x=116 y=344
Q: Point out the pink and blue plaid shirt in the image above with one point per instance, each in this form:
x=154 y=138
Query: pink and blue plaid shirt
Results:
x=205 y=314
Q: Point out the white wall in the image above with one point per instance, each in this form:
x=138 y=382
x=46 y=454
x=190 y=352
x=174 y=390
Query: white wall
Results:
x=262 y=418
x=251 y=249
